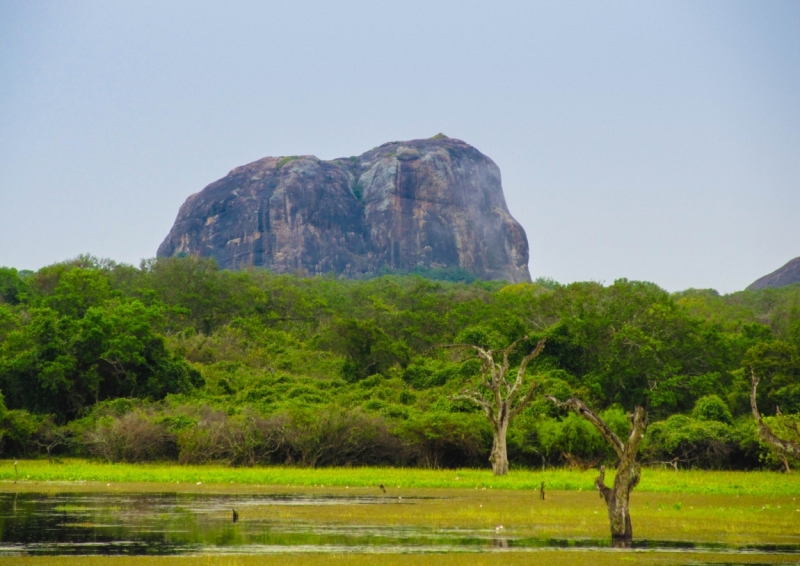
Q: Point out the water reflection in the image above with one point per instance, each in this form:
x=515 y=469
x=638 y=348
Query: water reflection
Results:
x=186 y=523
x=180 y=523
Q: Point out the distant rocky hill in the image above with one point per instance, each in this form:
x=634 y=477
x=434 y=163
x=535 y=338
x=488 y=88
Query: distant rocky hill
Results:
x=436 y=203
x=786 y=275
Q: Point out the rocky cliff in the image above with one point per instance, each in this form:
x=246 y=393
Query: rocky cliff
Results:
x=435 y=203
x=786 y=275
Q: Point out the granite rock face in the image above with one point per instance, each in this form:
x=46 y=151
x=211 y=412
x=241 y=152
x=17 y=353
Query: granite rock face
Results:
x=786 y=275
x=435 y=203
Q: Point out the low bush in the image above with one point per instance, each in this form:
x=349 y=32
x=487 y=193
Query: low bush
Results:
x=446 y=440
x=131 y=438
x=688 y=442
x=712 y=408
x=246 y=440
x=330 y=437
x=336 y=437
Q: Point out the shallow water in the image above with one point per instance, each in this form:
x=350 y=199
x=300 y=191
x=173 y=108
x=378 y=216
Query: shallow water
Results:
x=191 y=523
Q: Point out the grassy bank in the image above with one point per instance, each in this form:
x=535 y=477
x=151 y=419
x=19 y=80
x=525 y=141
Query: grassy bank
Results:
x=555 y=558
x=653 y=480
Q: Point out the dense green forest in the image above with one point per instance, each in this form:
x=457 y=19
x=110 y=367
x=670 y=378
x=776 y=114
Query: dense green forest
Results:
x=178 y=360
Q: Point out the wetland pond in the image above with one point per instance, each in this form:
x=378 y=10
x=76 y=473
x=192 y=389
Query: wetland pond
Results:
x=188 y=523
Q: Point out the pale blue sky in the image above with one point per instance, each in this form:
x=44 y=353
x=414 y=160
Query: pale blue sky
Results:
x=648 y=140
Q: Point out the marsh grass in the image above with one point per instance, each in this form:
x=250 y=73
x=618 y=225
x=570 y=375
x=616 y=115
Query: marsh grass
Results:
x=653 y=480
x=549 y=557
x=737 y=521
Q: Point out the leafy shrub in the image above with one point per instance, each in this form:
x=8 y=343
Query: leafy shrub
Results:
x=368 y=349
x=786 y=427
x=52 y=439
x=17 y=427
x=18 y=431
x=712 y=408
x=693 y=442
x=12 y=287
x=431 y=373
x=437 y=439
x=575 y=441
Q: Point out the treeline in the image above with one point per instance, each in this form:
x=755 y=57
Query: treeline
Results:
x=178 y=360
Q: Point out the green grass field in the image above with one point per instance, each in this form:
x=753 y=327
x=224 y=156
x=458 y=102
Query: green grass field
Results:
x=653 y=480
x=553 y=558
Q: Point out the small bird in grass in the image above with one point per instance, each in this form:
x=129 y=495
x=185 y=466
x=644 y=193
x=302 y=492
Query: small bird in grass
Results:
x=235 y=516
x=383 y=489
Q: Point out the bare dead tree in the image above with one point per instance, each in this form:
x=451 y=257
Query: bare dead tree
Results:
x=628 y=470
x=782 y=446
x=500 y=399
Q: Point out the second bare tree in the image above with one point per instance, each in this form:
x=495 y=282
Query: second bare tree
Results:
x=628 y=469
x=500 y=399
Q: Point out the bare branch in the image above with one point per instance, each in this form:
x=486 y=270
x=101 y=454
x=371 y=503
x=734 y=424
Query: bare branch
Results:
x=524 y=366
x=513 y=345
x=483 y=354
x=474 y=397
x=520 y=406
x=486 y=359
x=580 y=407
x=508 y=351
x=600 y=484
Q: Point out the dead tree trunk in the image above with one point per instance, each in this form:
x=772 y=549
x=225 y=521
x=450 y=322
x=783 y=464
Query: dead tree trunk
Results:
x=499 y=454
x=628 y=470
x=500 y=398
x=783 y=447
